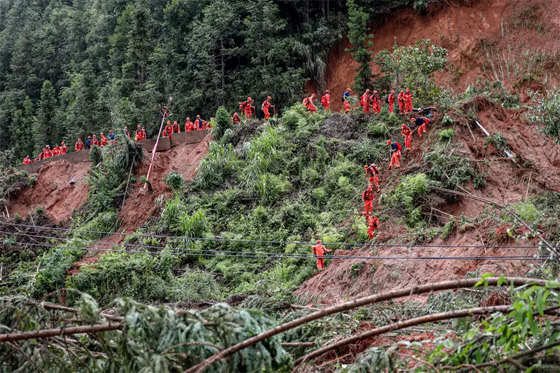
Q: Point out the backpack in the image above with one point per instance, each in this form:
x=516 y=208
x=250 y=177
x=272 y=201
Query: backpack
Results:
x=342 y=98
x=323 y=101
x=305 y=101
x=398 y=146
x=387 y=99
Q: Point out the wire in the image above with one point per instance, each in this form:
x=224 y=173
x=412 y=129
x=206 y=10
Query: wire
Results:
x=131 y=245
x=265 y=241
x=220 y=253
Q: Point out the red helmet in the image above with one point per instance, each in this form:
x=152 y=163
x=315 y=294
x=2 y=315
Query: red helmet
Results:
x=369 y=187
x=408 y=89
x=366 y=167
x=388 y=142
x=392 y=91
x=269 y=98
x=327 y=91
x=374 y=91
x=373 y=165
x=367 y=90
x=168 y=122
x=412 y=119
x=249 y=99
x=318 y=241
x=403 y=126
x=348 y=89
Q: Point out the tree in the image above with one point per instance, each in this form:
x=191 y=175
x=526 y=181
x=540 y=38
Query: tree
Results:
x=361 y=41
x=223 y=122
x=22 y=130
x=45 y=125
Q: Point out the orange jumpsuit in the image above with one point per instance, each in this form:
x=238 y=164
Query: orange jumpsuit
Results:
x=408 y=101
x=189 y=126
x=79 y=146
x=365 y=102
x=407 y=133
x=373 y=224
x=47 y=153
x=26 y=160
x=137 y=135
x=56 y=151
x=310 y=105
x=401 y=101
x=375 y=103
x=247 y=109
x=63 y=149
x=391 y=101
x=168 y=131
x=396 y=155
x=367 y=197
x=236 y=118
x=176 y=128
x=422 y=127
x=266 y=105
x=326 y=101
x=373 y=173
x=94 y=142
x=319 y=251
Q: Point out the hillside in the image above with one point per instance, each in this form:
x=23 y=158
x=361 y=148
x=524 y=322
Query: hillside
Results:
x=210 y=267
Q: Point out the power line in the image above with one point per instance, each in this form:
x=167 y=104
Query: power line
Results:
x=219 y=239
x=67 y=239
x=244 y=254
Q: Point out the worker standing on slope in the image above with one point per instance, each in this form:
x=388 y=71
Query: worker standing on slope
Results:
x=176 y=127
x=235 y=118
x=168 y=130
x=56 y=151
x=199 y=123
x=372 y=175
x=368 y=197
x=138 y=133
x=246 y=107
x=401 y=102
x=88 y=142
x=26 y=160
x=319 y=253
x=395 y=154
x=391 y=101
x=375 y=103
x=144 y=135
x=94 y=141
x=308 y=102
x=79 y=145
x=346 y=100
x=326 y=101
x=408 y=101
x=63 y=148
x=407 y=133
x=373 y=224
x=102 y=140
x=265 y=107
x=364 y=101
x=421 y=123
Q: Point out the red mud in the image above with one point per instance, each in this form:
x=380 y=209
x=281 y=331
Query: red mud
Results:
x=53 y=191
x=480 y=37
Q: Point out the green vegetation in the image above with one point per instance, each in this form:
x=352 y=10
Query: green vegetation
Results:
x=547 y=112
x=360 y=38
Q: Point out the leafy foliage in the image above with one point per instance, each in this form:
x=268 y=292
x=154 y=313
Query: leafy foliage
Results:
x=359 y=37
x=547 y=112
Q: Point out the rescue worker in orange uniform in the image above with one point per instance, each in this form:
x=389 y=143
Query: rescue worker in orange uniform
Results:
x=176 y=127
x=364 y=101
x=326 y=101
x=63 y=148
x=408 y=101
x=421 y=122
x=247 y=108
x=235 y=118
x=199 y=123
x=395 y=154
x=373 y=224
x=94 y=141
x=26 y=160
x=189 y=125
x=265 y=107
x=401 y=102
x=126 y=132
x=79 y=145
x=56 y=151
x=319 y=251
x=375 y=103
x=368 y=197
x=47 y=152
x=407 y=133
x=372 y=175
x=308 y=102
x=138 y=133
x=168 y=130
x=391 y=101
x=102 y=140
x=346 y=100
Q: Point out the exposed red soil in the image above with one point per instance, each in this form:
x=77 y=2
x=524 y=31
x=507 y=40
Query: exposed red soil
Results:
x=53 y=191
x=507 y=183
x=491 y=39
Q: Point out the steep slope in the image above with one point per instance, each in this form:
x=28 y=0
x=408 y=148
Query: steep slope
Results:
x=512 y=41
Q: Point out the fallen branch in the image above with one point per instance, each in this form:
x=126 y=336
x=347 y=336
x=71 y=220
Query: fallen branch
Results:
x=427 y=288
x=405 y=324
x=298 y=344
x=47 y=333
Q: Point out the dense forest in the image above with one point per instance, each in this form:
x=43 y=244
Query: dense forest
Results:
x=70 y=67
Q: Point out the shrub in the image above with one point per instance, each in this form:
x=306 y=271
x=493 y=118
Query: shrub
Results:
x=547 y=112
x=174 y=180
x=407 y=197
x=222 y=123
x=527 y=212
x=447 y=120
x=220 y=164
x=498 y=140
x=378 y=130
x=446 y=135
